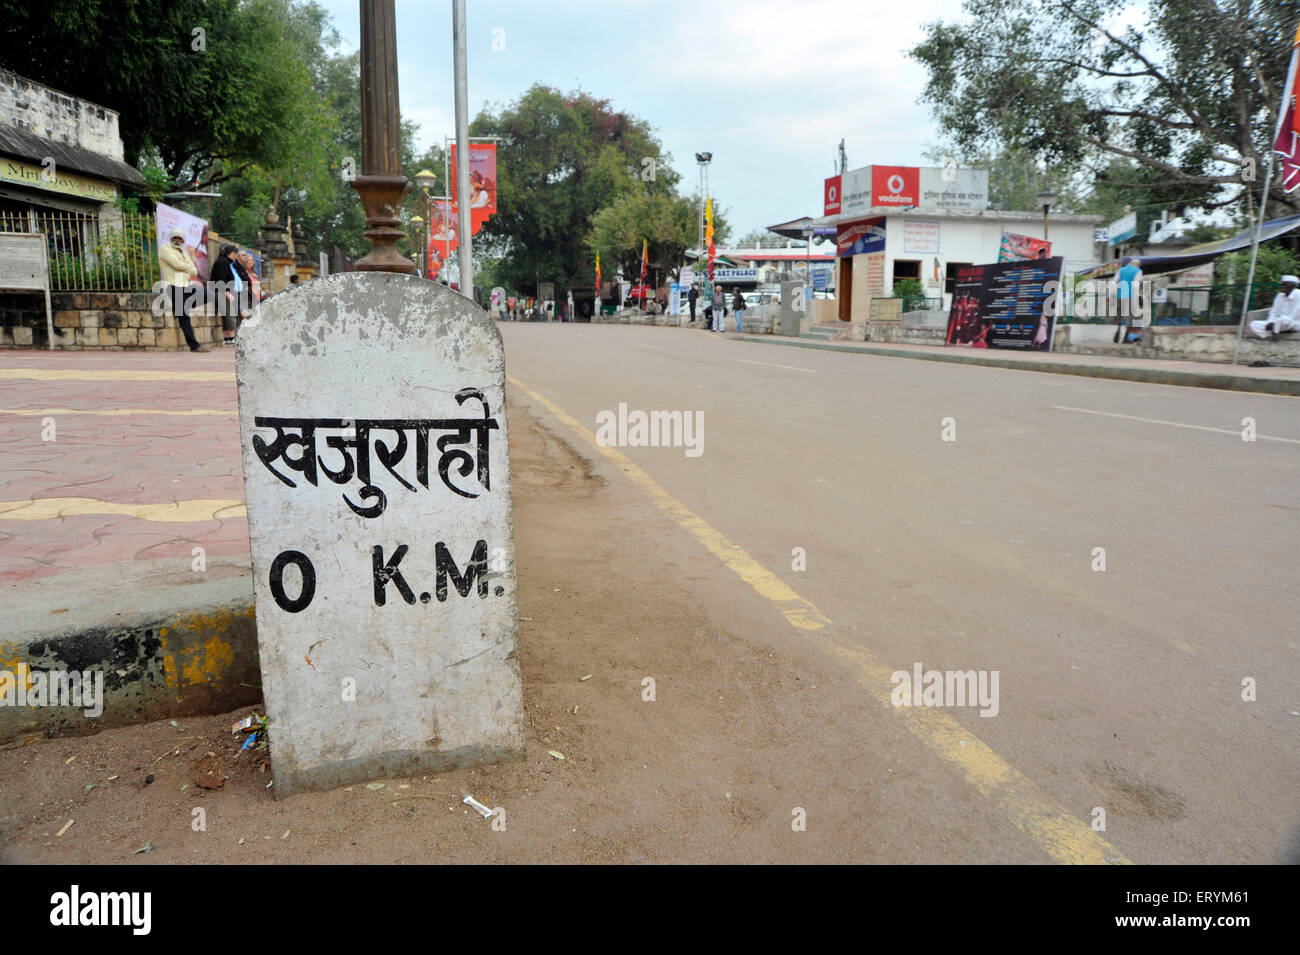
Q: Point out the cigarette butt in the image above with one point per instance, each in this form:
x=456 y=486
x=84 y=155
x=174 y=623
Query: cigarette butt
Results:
x=584 y=679
x=555 y=754
x=477 y=806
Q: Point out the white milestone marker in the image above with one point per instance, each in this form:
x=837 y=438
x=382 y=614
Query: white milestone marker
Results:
x=372 y=418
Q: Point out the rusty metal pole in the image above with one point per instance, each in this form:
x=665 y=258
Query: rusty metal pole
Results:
x=381 y=184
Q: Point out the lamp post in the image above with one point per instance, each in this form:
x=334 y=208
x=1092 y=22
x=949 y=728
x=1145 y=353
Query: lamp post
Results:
x=381 y=184
x=703 y=159
x=418 y=221
x=1046 y=198
x=426 y=180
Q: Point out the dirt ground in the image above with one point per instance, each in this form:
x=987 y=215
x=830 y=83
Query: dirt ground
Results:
x=709 y=771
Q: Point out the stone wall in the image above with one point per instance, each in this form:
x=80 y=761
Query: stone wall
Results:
x=108 y=321
x=1188 y=342
x=56 y=116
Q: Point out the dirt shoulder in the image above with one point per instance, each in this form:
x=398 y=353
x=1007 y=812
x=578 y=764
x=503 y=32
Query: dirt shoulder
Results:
x=739 y=734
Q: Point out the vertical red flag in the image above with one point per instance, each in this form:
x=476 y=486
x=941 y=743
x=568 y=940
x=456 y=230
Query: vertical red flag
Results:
x=645 y=252
x=597 y=275
x=1287 y=141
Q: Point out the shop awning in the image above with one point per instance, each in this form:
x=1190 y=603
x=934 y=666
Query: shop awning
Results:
x=26 y=145
x=1200 y=254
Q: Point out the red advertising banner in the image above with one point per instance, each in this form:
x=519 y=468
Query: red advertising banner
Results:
x=831 y=197
x=895 y=186
x=482 y=182
x=1016 y=247
x=442 y=226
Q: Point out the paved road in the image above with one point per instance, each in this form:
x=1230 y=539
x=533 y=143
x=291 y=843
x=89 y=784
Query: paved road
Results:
x=1119 y=690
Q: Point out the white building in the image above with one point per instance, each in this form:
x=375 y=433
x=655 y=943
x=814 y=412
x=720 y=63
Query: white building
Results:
x=924 y=223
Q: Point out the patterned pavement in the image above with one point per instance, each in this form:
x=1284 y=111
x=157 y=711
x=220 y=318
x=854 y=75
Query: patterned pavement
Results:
x=114 y=457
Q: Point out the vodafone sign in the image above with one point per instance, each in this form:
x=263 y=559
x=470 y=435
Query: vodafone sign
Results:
x=831 y=204
x=895 y=186
x=927 y=188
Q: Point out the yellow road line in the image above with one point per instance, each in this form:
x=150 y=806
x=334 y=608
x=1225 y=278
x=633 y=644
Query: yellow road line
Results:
x=1062 y=836
x=798 y=611
x=48 y=508
x=113 y=412
x=113 y=374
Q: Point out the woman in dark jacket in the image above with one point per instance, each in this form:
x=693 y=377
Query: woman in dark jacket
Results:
x=232 y=290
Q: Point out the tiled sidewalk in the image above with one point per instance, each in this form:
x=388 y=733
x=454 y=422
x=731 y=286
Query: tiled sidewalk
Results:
x=115 y=457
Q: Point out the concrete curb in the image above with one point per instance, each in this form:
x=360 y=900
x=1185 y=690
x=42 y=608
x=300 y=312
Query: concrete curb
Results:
x=170 y=642
x=1151 y=376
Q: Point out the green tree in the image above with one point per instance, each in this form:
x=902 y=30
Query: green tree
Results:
x=667 y=222
x=759 y=239
x=560 y=160
x=1185 y=91
x=205 y=88
x=1230 y=276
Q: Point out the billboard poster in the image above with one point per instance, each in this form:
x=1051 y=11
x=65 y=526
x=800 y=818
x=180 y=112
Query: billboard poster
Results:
x=861 y=238
x=831 y=197
x=921 y=237
x=482 y=182
x=1004 y=305
x=1016 y=247
x=442 y=226
x=895 y=186
x=196 y=234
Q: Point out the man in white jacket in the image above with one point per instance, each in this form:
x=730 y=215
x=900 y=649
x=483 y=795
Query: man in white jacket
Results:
x=178 y=271
x=1284 y=316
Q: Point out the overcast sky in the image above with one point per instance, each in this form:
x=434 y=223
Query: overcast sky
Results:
x=768 y=87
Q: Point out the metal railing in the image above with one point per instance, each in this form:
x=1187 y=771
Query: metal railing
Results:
x=1183 y=305
x=92 y=253
x=921 y=303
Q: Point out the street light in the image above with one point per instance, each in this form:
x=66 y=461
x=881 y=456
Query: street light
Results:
x=1045 y=199
x=418 y=221
x=426 y=180
x=703 y=159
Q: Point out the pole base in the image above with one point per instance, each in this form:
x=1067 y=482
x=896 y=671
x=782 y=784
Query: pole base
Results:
x=382 y=198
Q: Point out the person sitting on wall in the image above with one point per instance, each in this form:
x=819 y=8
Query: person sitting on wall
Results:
x=1284 y=316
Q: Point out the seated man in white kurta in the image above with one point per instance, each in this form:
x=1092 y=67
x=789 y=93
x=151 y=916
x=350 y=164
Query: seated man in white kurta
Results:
x=1284 y=316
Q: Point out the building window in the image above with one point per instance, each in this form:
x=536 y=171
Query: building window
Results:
x=906 y=269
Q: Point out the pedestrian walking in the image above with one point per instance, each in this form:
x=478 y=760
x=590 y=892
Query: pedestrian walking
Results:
x=1284 y=316
x=719 y=303
x=178 y=271
x=691 y=296
x=1125 y=296
x=738 y=306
